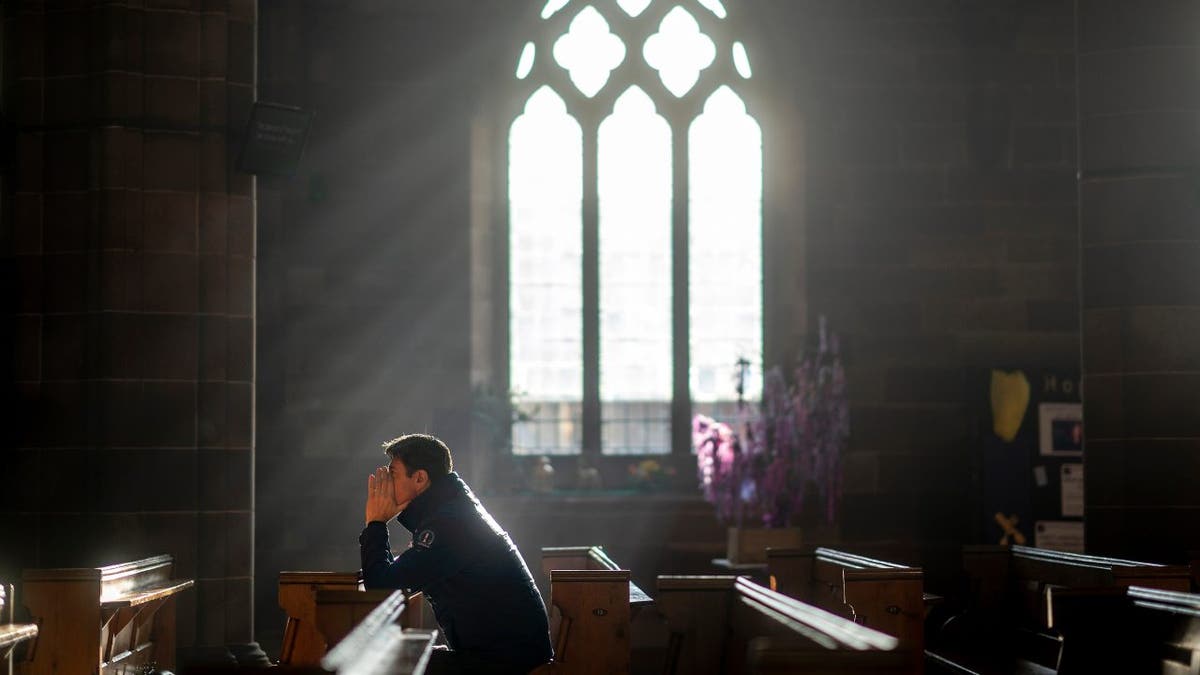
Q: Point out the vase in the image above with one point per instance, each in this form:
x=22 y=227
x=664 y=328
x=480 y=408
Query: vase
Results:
x=748 y=545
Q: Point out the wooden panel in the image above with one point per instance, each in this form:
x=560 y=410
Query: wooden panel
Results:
x=105 y=619
x=303 y=644
x=594 y=606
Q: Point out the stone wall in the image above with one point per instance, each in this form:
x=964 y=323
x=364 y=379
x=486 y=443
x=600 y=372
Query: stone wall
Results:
x=130 y=250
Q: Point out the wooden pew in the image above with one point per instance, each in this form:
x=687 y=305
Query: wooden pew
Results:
x=726 y=624
x=590 y=558
x=886 y=596
x=1011 y=604
x=102 y=619
x=592 y=605
x=380 y=645
x=323 y=607
x=1134 y=630
x=12 y=634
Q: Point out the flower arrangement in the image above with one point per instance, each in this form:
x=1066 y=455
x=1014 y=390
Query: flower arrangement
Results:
x=649 y=473
x=784 y=454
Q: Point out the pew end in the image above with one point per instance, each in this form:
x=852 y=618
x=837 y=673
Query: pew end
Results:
x=592 y=611
x=100 y=619
x=323 y=607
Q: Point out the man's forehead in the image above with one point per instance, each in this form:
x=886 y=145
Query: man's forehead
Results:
x=397 y=465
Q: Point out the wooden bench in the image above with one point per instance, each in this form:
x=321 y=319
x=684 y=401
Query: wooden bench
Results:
x=589 y=558
x=103 y=618
x=12 y=634
x=323 y=607
x=1011 y=604
x=886 y=596
x=1133 y=630
x=728 y=624
x=592 y=605
x=380 y=644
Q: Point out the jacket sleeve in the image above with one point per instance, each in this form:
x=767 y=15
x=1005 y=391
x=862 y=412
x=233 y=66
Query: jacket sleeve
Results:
x=438 y=551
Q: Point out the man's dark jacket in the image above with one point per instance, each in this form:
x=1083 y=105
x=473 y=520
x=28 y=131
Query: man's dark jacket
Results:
x=469 y=570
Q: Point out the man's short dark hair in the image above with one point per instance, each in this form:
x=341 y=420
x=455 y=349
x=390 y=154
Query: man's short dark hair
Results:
x=421 y=451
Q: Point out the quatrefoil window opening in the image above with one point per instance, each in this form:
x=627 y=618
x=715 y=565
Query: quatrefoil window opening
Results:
x=679 y=51
x=589 y=51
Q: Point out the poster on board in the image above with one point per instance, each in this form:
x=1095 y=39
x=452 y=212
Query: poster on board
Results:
x=1059 y=535
x=1060 y=429
x=1071 y=487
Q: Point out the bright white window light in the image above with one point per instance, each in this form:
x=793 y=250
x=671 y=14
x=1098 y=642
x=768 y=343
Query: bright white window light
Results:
x=545 y=176
x=715 y=7
x=634 y=190
x=589 y=51
x=679 y=51
x=725 y=249
x=525 y=63
x=552 y=7
x=741 y=60
x=634 y=7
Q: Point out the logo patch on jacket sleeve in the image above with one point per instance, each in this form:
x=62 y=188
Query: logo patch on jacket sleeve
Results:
x=425 y=538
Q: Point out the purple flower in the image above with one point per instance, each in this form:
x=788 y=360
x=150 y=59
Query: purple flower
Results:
x=787 y=450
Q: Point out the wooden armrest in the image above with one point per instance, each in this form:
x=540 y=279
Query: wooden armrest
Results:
x=141 y=596
x=12 y=634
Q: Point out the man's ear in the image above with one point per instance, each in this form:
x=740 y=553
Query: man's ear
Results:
x=421 y=476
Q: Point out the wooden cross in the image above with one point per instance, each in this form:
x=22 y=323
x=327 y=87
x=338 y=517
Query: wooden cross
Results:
x=1009 y=525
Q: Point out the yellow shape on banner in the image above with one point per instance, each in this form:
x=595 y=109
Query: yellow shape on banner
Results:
x=1010 y=398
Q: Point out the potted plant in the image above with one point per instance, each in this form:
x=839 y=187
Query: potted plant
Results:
x=779 y=466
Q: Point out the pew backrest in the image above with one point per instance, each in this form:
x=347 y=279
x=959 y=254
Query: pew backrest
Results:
x=1134 y=630
x=575 y=558
x=380 y=645
x=717 y=621
x=880 y=594
x=588 y=558
x=1171 y=622
x=1002 y=575
x=120 y=615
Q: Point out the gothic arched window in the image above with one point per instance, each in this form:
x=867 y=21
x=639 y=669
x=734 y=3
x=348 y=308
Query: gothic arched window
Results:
x=635 y=179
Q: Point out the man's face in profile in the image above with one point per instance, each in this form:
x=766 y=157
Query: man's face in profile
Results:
x=405 y=487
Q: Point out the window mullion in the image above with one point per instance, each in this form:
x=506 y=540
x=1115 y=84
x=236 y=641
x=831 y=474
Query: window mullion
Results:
x=681 y=405
x=591 y=286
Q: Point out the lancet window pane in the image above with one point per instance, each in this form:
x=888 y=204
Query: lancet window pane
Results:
x=725 y=253
x=635 y=277
x=545 y=268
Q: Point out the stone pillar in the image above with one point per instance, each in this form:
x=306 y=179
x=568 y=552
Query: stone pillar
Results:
x=133 y=302
x=1139 y=101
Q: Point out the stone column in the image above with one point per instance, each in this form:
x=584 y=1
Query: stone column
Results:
x=133 y=303
x=1139 y=102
